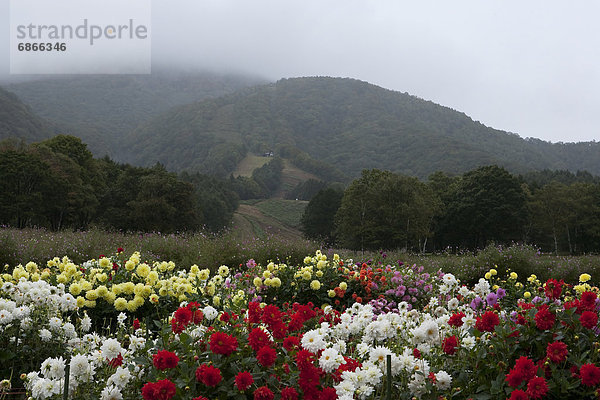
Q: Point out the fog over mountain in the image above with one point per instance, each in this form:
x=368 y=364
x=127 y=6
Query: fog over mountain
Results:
x=523 y=67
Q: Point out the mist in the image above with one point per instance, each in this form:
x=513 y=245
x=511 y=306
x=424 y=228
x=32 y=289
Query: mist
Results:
x=528 y=68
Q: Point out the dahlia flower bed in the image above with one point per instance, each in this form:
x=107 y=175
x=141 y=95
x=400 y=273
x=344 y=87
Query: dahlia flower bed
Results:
x=119 y=328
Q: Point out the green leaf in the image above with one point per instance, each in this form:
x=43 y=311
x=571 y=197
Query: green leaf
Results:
x=6 y=355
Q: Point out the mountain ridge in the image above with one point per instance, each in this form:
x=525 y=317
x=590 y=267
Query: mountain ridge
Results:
x=322 y=124
x=353 y=125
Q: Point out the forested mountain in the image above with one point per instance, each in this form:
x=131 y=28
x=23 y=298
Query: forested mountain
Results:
x=348 y=124
x=331 y=127
x=102 y=109
x=18 y=121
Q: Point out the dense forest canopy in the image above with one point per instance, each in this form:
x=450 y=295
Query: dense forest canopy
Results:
x=18 y=121
x=102 y=109
x=330 y=127
x=58 y=184
x=383 y=210
x=349 y=125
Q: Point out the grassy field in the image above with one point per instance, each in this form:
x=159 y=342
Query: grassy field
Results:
x=291 y=176
x=250 y=222
x=249 y=164
x=288 y=212
x=21 y=246
x=186 y=249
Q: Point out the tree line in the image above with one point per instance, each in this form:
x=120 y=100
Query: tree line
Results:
x=556 y=210
x=58 y=184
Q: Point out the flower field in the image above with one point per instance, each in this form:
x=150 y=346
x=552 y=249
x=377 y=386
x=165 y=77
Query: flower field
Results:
x=121 y=327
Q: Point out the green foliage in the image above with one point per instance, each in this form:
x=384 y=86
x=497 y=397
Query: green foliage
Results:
x=184 y=249
x=487 y=204
x=288 y=212
x=58 y=184
x=521 y=259
x=148 y=199
x=318 y=218
x=245 y=187
x=18 y=121
x=303 y=160
x=537 y=179
x=382 y=210
x=103 y=109
x=306 y=190
x=566 y=217
x=268 y=177
x=24 y=178
x=217 y=201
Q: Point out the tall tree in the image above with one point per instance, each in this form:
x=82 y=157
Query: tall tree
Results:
x=385 y=210
x=24 y=178
x=319 y=215
x=488 y=205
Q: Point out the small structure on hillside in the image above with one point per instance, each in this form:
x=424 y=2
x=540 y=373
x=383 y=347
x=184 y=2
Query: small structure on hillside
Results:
x=269 y=153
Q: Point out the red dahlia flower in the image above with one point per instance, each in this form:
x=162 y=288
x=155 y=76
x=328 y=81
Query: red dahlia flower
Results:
x=309 y=379
x=553 y=288
x=588 y=301
x=209 y=375
x=279 y=330
x=266 y=356
x=161 y=390
x=225 y=317
x=258 y=338
x=589 y=319
x=328 y=393
x=557 y=352
x=349 y=365
x=537 y=388
x=526 y=367
x=518 y=395
x=544 y=318
x=165 y=359
x=514 y=378
x=291 y=343
x=244 y=380
x=254 y=312
x=222 y=343
x=183 y=316
x=263 y=393
x=116 y=362
x=450 y=344
x=456 y=319
x=289 y=393
x=271 y=315
x=487 y=322
x=590 y=375
x=304 y=359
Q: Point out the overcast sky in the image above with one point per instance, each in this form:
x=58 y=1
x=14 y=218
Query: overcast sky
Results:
x=528 y=67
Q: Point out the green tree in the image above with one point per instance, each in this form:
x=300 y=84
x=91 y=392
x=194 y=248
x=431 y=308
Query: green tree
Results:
x=217 y=201
x=319 y=215
x=163 y=203
x=78 y=181
x=487 y=205
x=268 y=177
x=24 y=178
x=567 y=214
x=385 y=210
